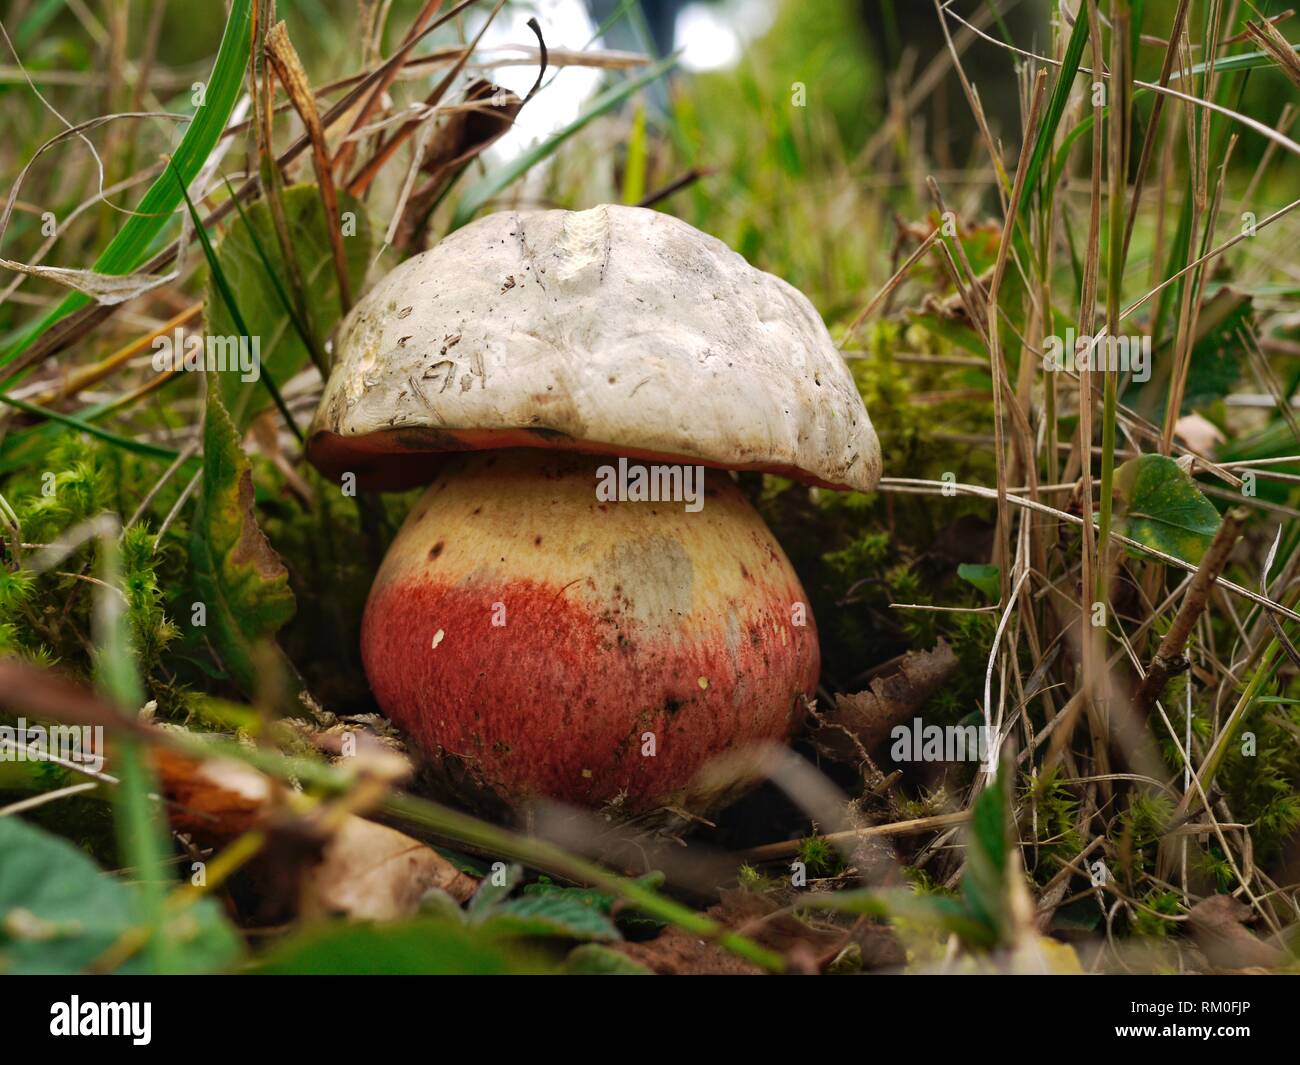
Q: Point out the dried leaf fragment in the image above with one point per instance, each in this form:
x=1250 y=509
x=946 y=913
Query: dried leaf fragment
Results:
x=863 y=720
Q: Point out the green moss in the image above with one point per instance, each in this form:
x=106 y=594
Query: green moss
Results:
x=820 y=857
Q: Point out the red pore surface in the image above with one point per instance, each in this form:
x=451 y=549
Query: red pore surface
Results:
x=559 y=647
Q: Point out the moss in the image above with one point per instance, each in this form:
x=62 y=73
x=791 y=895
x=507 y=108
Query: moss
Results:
x=820 y=857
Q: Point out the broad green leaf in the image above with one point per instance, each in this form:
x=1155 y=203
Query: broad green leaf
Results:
x=426 y=946
x=551 y=915
x=130 y=248
x=985 y=577
x=1216 y=361
x=281 y=349
x=591 y=959
x=59 y=911
x=236 y=352
x=252 y=236
x=1160 y=506
x=240 y=578
x=628 y=918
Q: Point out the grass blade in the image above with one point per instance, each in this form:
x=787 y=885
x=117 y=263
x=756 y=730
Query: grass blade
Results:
x=223 y=286
x=128 y=250
x=1056 y=106
x=139 y=447
x=142 y=838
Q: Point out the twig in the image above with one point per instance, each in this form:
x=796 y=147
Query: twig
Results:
x=1169 y=657
x=916 y=485
x=789 y=847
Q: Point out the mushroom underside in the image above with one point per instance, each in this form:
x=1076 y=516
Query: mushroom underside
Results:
x=402 y=458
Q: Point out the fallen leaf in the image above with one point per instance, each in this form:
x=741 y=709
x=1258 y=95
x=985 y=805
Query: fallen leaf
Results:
x=1198 y=433
x=216 y=799
x=769 y=922
x=863 y=720
x=361 y=869
x=1218 y=926
x=103 y=288
x=486 y=111
x=374 y=873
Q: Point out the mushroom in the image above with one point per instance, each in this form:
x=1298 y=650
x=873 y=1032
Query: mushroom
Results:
x=583 y=606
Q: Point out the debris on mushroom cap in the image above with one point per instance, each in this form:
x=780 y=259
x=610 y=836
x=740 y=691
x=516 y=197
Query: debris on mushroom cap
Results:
x=616 y=330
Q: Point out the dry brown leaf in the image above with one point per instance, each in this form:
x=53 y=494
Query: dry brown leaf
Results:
x=359 y=869
x=375 y=873
x=1198 y=433
x=288 y=68
x=104 y=288
x=1218 y=926
x=769 y=922
x=485 y=113
x=216 y=799
x=863 y=720
x=1270 y=38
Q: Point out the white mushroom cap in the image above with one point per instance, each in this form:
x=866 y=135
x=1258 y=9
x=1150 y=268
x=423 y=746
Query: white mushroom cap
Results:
x=617 y=330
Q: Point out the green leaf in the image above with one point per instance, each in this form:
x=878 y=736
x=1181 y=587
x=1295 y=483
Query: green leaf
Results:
x=984 y=882
x=985 y=577
x=591 y=959
x=628 y=918
x=893 y=904
x=126 y=443
x=1216 y=362
x=951 y=330
x=240 y=578
x=490 y=892
x=427 y=946
x=634 y=167
x=551 y=916
x=260 y=294
x=1160 y=506
x=1046 y=136
x=242 y=337
x=129 y=249
x=59 y=911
